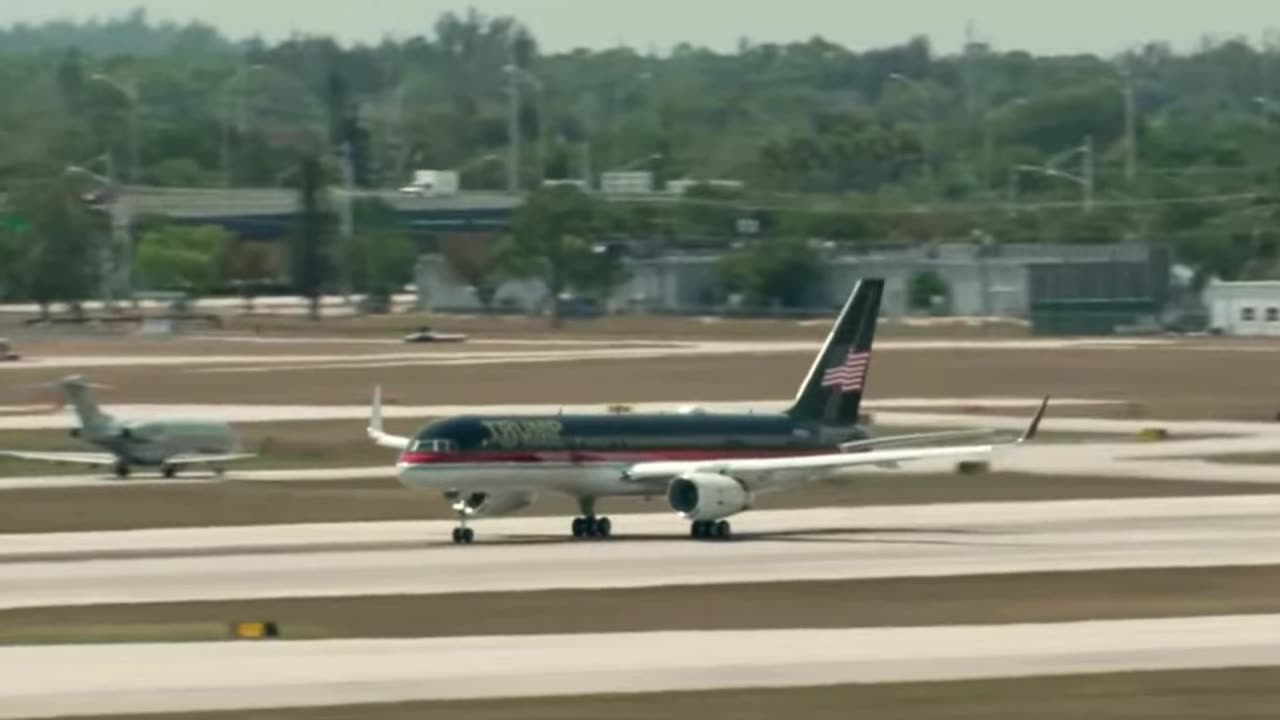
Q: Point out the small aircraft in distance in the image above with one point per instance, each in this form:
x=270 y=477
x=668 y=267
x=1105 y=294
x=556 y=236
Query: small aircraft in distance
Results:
x=708 y=466
x=170 y=444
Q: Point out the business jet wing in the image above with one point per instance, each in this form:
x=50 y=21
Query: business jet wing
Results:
x=759 y=470
x=64 y=458
x=375 y=430
x=197 y=459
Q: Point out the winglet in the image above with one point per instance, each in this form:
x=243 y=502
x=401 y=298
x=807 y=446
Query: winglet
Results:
x=1034 y=428
x=375 y=430
x=375 y=412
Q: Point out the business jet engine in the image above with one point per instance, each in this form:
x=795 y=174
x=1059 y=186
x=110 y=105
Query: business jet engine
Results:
x=707 y=496
x=481 y=505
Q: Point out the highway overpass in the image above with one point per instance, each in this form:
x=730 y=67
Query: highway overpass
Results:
x=268 y=213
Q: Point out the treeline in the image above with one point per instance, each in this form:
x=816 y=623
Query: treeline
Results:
x=896 y=144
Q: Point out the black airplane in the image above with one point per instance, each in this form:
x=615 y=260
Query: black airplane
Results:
x=709 y=466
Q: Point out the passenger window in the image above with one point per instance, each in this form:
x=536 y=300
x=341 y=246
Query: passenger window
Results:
x=1273 y=314
x=1248 y=314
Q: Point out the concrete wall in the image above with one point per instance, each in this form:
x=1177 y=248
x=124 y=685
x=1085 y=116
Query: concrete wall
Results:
x=991 y=281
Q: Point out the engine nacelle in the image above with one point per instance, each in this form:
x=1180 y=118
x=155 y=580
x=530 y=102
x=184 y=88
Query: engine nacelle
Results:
x=494 y=504
x=707 y=496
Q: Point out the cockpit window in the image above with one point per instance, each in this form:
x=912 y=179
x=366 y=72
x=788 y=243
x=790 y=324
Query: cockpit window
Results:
x=432 y=445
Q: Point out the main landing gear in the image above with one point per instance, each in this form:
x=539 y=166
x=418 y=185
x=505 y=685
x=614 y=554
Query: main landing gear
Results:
x=711 y=530
x=588 y=525
x=122 y=470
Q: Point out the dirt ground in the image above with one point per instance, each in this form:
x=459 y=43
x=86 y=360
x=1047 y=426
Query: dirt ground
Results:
x=1176 y=382
x=974 y=600
x=125 y=507
x=1234 y=694
x=622 y=326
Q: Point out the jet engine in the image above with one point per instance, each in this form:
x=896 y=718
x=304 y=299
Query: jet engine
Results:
x=492 y=504
x=707 y=496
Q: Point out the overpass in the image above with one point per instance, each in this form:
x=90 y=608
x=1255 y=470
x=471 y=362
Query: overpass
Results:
x=268 y=213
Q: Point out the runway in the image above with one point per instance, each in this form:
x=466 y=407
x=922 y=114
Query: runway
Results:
x=44 y=419
x=650 y=550
x=71 y=680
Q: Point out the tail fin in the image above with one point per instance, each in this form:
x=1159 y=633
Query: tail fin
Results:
x=76 y=388
x=832 y=392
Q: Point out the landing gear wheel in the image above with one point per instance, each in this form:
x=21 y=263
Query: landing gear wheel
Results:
x=170 y=471
x=711 y=530
x=592 y=527
x=463 y=536
x=122 y=471
x=723 y=530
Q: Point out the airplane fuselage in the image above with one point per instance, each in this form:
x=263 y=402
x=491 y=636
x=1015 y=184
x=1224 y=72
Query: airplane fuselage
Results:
x=587 y=455
x=151 y=443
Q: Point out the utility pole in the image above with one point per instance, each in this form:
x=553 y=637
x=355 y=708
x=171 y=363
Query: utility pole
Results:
x=1087 y=174
x=513 y=131
x=347 y=216
x=1130 y=128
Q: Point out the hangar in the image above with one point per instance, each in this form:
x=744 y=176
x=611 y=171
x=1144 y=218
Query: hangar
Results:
x=1244 y=308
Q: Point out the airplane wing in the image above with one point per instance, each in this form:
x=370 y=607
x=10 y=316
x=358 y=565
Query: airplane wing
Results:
x=760 y=469
x=65 y=458
x=204 y=459
x=375 y=431
x=891 y=440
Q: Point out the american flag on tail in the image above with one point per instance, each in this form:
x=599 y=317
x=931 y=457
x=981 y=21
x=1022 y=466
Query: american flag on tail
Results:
x=850 y=375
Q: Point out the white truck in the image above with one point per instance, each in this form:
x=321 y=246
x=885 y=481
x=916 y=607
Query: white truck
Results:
x=433 y=183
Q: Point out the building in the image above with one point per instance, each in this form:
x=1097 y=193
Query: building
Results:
x=1244 y=308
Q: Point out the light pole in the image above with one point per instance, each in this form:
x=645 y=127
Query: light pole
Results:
x=242 y=113
x=514 y=76
x=130 y=94
x=927 y=101
x=121 y=220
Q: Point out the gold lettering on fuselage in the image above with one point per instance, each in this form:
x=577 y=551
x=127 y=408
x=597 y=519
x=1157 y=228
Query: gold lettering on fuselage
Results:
x=516 y=433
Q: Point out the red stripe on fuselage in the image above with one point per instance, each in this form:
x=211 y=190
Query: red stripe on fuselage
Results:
x=595 y=456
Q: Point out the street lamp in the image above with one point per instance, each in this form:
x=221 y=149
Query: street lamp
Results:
x=1085 y=179
x=130 y=94
x=118 y=207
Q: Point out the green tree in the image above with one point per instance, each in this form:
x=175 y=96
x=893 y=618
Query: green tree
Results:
x=554 y=238
x=61 y=261
x=310 y=250
x=773 y=271
x=380 y=262
x=925 y=288
x=472 y=261
x=184 y=258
